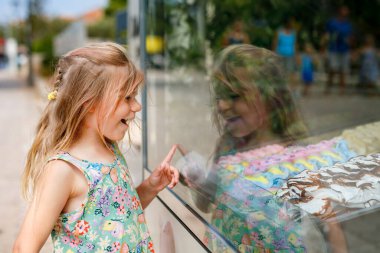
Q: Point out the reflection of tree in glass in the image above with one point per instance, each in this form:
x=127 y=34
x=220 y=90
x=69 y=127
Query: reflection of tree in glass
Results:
x=184 y=38
x=263 y=17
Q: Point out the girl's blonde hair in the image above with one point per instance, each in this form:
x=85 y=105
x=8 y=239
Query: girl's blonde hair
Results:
x=86 y=77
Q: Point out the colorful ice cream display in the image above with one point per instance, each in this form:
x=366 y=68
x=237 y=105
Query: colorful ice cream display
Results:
x=335 y=189
x=269 y=166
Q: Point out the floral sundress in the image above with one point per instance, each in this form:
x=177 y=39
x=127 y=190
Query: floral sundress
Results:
x=251 y=218
x=111 y=218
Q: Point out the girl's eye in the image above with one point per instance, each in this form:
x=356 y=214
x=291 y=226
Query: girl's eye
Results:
x=234 y=96
x=131 y=97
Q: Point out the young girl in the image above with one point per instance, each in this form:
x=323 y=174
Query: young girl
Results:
x=79 y=184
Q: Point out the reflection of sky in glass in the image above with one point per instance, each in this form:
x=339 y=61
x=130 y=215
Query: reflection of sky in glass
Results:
x=16 y=9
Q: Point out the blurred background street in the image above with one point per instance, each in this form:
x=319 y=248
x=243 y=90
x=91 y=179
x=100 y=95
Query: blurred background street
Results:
x=18 y=117
x=182 y=39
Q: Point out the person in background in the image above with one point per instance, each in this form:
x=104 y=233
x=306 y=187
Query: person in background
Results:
x=307 y=63
x=285 y=45
x=236 y=34
x=369 y=66
x=339 y=39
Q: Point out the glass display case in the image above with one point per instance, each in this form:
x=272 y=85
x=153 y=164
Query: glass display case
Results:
x=274 y=107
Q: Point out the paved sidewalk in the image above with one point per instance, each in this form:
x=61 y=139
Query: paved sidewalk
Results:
x=18 y=117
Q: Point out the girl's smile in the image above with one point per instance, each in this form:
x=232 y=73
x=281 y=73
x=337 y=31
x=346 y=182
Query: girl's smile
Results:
x=115 y=125
x=124 y=121
x=233 y=122
x=241 y=119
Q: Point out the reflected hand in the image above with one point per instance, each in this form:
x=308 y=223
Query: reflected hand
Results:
x=192 y=168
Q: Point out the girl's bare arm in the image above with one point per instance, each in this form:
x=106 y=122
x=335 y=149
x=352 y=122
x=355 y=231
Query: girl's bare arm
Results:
x=52 y=192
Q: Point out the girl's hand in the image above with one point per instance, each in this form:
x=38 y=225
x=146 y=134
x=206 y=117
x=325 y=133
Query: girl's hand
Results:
x=165 y=174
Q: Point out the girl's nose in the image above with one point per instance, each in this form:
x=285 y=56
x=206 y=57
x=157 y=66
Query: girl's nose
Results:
x=136 y=106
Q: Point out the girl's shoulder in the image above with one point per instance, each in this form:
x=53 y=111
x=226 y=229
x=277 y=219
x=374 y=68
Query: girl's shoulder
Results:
x=58 y=173
x=59 y=182
x=60 y=167
x=67 y=166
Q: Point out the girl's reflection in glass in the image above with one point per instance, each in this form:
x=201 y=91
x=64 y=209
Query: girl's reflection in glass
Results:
x=252 y=108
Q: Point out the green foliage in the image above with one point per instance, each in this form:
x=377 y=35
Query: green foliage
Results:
x=178 y=23
x=2 y=31
x=44 y=31
x=263 y=17
x=44 y=46
x=47 y=65
x=18 y=31
x=43 y=41
x=114 y=6
x=104 y=29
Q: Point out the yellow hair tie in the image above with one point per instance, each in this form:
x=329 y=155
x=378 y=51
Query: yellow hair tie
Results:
x=52 y=95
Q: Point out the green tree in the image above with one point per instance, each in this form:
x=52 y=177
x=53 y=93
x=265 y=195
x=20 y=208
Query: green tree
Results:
x=115 y=6
x=105 y=28
x=263 y=17
x=43 y=42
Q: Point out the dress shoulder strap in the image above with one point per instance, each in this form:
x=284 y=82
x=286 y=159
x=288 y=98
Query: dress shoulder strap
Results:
x=118 y=154
x=70 y=159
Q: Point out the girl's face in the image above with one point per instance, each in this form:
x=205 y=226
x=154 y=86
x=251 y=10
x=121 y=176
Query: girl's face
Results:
x=241 y=118
x=116 y=124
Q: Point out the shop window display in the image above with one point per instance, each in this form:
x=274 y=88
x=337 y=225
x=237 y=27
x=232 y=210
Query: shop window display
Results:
x=270 y=169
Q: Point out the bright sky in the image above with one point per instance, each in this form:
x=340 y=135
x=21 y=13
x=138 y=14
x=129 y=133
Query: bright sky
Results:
x=11 y=10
